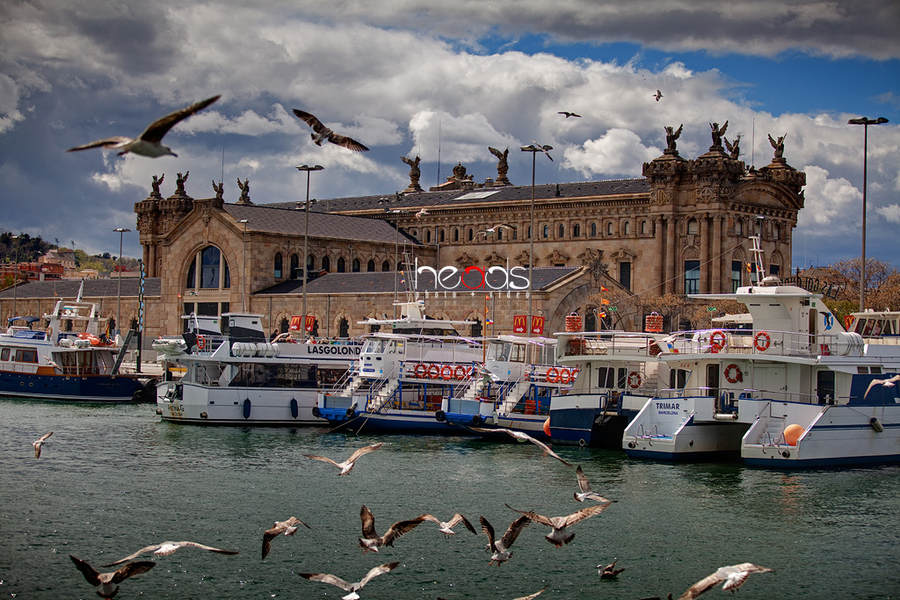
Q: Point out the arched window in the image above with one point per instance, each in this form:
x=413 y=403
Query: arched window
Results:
x=370 y=266
x=738 y=227
x=295 y=266
x=456 y=235
x=576 y=230
x=341 y=265
x=776 y=231
x=593 y=230
x=609 y=229
x=561 y=231
x=471 y=234
x=326 y=263
x=208 y=270
x=693 y=227
x=626 y=228
x=500 y=234
x=546 y=231
x=643 y=227
x=343 y=328
x=356 y=265
x=279 y=266
x=427 y=236
x=441 y=236
x=385 y=266
x=310 y=263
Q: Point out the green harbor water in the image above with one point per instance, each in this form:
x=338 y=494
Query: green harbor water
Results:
x=113 y=479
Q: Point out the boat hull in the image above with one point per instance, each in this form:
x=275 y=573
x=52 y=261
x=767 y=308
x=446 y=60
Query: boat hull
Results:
x=66 y=388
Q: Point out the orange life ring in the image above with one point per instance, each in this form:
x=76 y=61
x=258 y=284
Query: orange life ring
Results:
x=201 y=342
x=761 y=341
x=459 y=372
x=717 y=340
x=635 y=380
x=434 y=371
x=421 y=371
x=733 y=373
x=552 y=375
x=447 y=372
x=565 y=376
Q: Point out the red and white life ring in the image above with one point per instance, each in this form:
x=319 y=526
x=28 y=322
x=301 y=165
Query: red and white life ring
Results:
x=733 y=373
x=762 y=341
x=717 y=340
x=459 y=372
x=565 y=376
x=635 y=380
x=447 y=372
x=201 y=342
x=552 y=375
x=421 y=371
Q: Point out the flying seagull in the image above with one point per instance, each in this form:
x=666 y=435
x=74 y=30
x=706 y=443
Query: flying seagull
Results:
x=372 y=541
x=569 y=114
x=351 y=587
x=447 y=527
x=40 y=442
x=891 y=382
x=421 y=213
x=609 y=571
x=658 y=95
x=347 y=465
x=107 y=584
x=734 y=577
x=585 y=487
x=528 y=597
x=544 y=148
x=524 y=437
x=559 y=535
x=167 y=548
x=500 y=548
x=149 y=143
x=288 y=527
x=492 y=230
x=322 y=133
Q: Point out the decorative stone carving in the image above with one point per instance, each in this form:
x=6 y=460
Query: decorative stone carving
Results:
x=671 y=136
x=245 y=191
x=502 y=166
x=414 y=174
x=717 y=133
x=179 y=183
x=157 y=181
x=219 y=189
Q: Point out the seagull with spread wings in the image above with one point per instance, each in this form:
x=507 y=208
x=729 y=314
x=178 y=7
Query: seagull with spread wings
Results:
x=107 y=584
x=890 y=382
x=569 y=114
x=149 y=143
x=347 y=465
x=523 y=437
x=371 y=541
x=734 y=577
x=560 y=535
x=353 y=588
x=494 y=229
x=288 y=527
x=585 y=487
x=658 y=95
x=40 y=442
x=167 y=548
x=321 y=133
x=499 y=549
x=446 y=527
x=609 y=571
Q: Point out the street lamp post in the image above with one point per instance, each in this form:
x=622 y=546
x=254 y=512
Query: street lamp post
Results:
x=244 y=265
x=15 y=277
x=534 y=148
x=308 y=170
x=121 y=231
x=865 y=122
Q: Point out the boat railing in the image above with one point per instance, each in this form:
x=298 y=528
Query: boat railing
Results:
x=604 y=344
x=730 y=396
x=746 y=342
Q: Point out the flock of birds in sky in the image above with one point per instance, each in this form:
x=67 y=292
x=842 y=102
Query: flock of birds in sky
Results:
x=149 y=142
x=106 y=584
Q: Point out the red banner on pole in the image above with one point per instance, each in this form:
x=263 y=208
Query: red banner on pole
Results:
x=310 y=323
x=519 y=323
x=537 y=325
x=296 y=323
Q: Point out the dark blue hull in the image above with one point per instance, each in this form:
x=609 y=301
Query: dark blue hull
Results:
x=63 y=388
x=580 y=427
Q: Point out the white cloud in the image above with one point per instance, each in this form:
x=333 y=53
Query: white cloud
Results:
x=619 y=151
x=830 y=202
x=890 y=212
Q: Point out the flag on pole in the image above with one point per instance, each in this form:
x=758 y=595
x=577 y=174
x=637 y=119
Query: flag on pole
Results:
x=603 y=289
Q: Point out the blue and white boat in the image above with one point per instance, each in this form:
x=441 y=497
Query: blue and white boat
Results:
x=403 y=374
x=233 y=376
x=797 y=390
x=70 y=361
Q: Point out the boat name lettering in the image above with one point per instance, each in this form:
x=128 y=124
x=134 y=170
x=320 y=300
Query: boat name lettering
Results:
x=326 y=349
x=661 y=406
x=449 y=278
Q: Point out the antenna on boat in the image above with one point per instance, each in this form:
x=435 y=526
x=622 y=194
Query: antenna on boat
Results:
x=757 y=252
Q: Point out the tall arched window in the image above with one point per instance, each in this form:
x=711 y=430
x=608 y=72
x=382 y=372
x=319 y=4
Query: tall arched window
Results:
x=208 y=270
x=561 y=231
x=343 y=328
x=326 y=263
x=471 y=234
x=738 y=227
x=593 y=230
x=693 y=227
x=370 y=266
x=776 y=231
x=576 y=230
x=295 y=266
x=341 y=265
x=441 y=236
x=546 y=231
x=356 y=265
x=626 y=228
x=385 y=266
x=643 y=227
x=427 y=236
x=609 y=229
x=278 y=271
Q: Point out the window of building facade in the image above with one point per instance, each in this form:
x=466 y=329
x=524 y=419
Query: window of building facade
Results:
x=427 y=236
x=471 y=234
x=626 y=228
x=356 y=265
x=456 y=235
x=343 y=328
x=370 y=266
x=546 y=232
x=625 y=274
x=609 y=229
x=278 y=269
x=576 y=230
x=561 y=231
x=738 y=227
x=736 y=272
x=693 y=227
x=499 y=234
x=295 y=266
x=776 y=232
x=593 y=230
x=326 y=263
x=341 y=265
x=692 y=277
x=385 y=266
x=643 y=227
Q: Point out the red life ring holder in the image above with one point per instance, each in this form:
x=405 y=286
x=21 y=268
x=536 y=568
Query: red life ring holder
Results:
x=762 y=341
x=635 y=380
x=434 y=371
x=421 y=371
x=733 y=373
x=552 y=375
x=447 y=372
x=459 y=372
x=717 y=340
x=201 y=342
x=565 y=376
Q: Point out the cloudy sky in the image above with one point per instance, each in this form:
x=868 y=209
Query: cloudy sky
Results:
x=443 y=80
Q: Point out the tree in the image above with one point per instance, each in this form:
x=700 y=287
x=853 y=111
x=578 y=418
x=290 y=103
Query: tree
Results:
x=881 y=290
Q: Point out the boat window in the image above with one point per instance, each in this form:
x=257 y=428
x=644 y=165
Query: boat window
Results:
x=517 y=353
x=498 y=351
x=678 y=378
x=399 y=347
x=275 y=375
x=621 y=379
x=26 y=355
x=4 y=355
x=606 y=377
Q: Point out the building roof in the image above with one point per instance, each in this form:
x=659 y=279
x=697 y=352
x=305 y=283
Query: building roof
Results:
x=510 y=193
x=93 y=288
x=287 y=219
x=383 y=282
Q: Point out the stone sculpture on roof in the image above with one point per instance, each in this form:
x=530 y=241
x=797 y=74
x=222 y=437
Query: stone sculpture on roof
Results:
x=219 y=189
x=414 y=174
x=671 y=136
x=502 y=166
x=179 y=183
x=717 y=133
x=245 y=191
x=778 y=145
x=157 y=181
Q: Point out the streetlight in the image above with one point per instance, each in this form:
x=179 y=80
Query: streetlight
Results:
x=121 y=231
x=865 y=122
x=308 y=169
x=534 y=148
x=15 y=275
x=244 y=264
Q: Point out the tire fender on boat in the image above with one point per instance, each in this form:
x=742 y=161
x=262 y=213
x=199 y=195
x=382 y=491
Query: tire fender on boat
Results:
x=476 y=420
x=440 y=415
x=350 y=412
